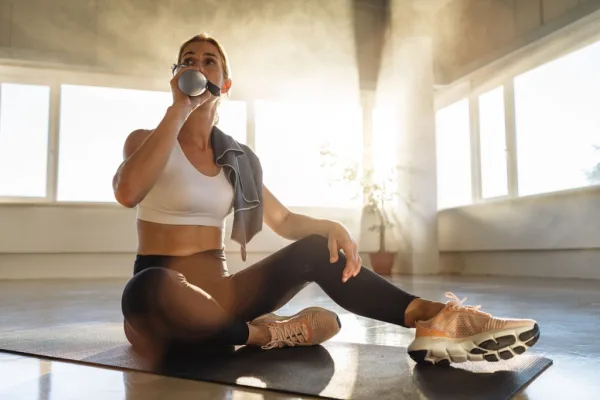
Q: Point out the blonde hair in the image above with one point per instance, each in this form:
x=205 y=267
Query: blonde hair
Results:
x=206 y=37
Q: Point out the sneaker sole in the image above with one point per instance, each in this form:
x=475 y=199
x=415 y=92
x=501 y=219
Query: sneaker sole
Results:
x=490 y=346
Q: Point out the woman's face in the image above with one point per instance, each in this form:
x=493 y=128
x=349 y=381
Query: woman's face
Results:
x=205 y=57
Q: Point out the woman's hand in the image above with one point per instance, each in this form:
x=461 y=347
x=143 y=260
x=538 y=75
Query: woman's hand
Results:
x=183 y=101
x=339 y=239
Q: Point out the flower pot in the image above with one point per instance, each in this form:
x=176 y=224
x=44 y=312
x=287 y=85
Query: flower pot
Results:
x=382 y=262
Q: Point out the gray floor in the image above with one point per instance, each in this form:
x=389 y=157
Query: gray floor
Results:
x=568 y=312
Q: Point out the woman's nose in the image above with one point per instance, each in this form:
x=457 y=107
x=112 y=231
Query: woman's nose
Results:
x=197 y=67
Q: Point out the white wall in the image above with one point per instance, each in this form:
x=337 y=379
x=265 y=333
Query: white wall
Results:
x=67 y=241
x=578 y=264
x=558 y=221
x=553 y=235
x=550 y=235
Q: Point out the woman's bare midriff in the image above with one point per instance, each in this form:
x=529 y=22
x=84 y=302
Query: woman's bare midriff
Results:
x=177 y=240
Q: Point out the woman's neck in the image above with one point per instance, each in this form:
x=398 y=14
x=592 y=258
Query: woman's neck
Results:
x=197 y=129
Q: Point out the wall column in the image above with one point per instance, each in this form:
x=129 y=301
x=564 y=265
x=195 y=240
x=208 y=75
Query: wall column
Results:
x=413 y=88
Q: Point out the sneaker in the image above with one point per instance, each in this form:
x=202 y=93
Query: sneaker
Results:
x=462 y=333
x=309 y=327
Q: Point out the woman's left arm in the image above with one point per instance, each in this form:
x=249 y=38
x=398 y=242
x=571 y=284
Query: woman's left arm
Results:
x=293 y=226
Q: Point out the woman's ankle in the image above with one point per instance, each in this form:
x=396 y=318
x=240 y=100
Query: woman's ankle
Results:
x=421 y=310
x=258 y=335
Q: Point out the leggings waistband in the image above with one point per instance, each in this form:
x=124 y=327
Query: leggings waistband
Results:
x=205 y=260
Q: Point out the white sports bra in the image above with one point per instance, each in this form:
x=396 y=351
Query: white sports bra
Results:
x=182 y=195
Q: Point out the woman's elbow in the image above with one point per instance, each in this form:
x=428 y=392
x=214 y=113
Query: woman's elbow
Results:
x=124 y=195
x=125 y=200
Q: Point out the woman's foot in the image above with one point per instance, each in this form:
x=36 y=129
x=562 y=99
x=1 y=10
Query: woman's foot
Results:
x=464 y=333
x=309 y=327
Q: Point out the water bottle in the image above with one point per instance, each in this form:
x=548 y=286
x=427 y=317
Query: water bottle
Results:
x=192 y=82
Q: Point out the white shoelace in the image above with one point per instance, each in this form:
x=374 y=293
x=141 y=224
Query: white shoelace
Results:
x=286 y=333
x=456 y=303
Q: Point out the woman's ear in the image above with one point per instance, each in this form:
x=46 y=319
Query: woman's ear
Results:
x=226 y=86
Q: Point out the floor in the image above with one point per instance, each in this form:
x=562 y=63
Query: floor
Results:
x=568 y=312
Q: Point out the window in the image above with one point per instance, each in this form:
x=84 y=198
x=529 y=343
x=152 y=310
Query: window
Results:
x=94 y=124
x=232 y=119
x=289 y=141
x=453 y=144
x=558 y=123
x=492 y=134
x=24 y=120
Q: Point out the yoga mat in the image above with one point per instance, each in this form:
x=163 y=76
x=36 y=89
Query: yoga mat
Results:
x=335 y=370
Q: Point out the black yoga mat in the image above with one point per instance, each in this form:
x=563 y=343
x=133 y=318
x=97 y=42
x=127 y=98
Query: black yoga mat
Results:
x=335 y=370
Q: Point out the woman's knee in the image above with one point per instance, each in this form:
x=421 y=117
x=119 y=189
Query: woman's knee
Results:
x=313 y=254
x=314 y=244
x=315 y=248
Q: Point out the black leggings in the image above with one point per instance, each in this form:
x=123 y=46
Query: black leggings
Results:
x=194 y=301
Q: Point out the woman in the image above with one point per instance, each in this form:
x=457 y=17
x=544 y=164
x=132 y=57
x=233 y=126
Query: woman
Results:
x=185 y=177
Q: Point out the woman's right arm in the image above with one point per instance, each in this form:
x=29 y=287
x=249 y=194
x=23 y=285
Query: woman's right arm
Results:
x=145 y=155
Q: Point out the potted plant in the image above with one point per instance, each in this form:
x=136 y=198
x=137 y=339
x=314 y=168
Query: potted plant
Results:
x=380 y=194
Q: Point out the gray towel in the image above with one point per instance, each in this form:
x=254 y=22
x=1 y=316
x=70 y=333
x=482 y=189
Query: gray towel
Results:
x=245 y=175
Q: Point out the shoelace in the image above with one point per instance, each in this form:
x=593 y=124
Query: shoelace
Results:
x=285 y=333
x=458 y=305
